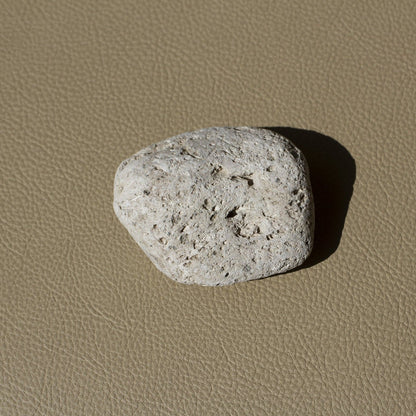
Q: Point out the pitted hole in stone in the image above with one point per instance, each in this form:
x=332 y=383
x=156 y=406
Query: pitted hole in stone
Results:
x=247 y=178
x=216 y=170
x=232 y=213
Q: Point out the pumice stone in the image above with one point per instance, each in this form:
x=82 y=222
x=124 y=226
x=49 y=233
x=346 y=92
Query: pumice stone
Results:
x=219 y=205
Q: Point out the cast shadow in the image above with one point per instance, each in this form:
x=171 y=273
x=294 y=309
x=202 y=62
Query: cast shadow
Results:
x=332 y=172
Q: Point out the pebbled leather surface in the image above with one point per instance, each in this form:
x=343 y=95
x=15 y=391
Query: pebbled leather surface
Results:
x=88 y=325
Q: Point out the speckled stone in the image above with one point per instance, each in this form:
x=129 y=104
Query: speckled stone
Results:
x=219 y=205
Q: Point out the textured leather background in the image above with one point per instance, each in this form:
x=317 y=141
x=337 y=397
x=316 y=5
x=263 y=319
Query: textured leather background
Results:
x=88 y=325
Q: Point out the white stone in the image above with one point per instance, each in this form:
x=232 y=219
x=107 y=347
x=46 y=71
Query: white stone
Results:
x=219 y=205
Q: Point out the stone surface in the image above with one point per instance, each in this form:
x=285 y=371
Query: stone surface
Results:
x=218 y=205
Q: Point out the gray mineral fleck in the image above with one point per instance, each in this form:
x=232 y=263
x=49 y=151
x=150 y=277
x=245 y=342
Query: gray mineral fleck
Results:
x=219 y=205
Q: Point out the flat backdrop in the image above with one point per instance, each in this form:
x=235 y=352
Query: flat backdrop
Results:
x=88 y=325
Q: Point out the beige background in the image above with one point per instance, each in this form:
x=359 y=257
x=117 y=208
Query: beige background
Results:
x=88 y=325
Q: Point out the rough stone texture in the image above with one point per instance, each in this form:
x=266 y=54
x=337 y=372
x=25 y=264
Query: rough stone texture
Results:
x=218 y=205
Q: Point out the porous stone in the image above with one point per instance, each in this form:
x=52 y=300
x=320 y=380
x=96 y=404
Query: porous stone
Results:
x=219 y=205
